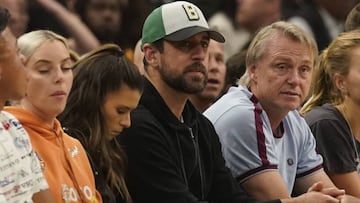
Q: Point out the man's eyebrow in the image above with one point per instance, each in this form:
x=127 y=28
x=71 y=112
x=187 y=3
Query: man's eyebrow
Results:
x=207 y=37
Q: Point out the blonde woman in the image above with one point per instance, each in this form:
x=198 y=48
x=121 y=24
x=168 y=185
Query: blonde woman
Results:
x=332 y=111
x=49 y=74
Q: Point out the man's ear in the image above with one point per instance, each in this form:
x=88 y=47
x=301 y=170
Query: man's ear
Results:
x=151 y=55
x=251 y=69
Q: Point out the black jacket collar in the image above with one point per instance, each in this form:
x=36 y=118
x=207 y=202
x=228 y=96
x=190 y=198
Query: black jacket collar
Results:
x=153 y=102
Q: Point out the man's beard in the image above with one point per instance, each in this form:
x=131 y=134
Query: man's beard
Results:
x=180 y=83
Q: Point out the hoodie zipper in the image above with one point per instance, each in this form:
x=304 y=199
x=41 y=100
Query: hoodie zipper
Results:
x=198 y=159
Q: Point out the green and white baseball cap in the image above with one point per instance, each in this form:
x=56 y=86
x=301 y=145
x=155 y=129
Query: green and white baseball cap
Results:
x=176 y=21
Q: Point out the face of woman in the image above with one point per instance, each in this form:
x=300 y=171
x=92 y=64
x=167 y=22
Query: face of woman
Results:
x=49 y=74
x=116 y=109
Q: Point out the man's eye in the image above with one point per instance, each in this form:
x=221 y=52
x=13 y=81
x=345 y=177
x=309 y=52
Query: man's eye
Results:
x=186 y=45
x=281 y=66
x=305 y=69
x=219 y=59
x=204 y=44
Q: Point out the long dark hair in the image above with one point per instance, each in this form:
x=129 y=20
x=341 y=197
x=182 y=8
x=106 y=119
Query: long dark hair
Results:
x=98 y=73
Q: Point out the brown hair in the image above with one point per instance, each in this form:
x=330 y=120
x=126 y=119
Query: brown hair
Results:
x=98 y=73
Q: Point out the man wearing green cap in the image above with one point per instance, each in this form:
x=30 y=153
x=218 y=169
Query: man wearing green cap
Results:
x=174 y=154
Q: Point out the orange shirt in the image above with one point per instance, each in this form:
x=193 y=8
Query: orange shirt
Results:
x=64 y=160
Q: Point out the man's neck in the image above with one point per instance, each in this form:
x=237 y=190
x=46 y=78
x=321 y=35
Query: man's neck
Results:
x=275 y=117
x=175 y=100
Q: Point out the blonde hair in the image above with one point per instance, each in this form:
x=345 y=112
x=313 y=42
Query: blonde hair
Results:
x=335 y=59
x=258 y=45
x=29 y=42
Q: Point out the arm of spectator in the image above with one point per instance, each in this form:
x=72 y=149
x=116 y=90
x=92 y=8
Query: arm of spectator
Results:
x=350 y=182
x=85 y=40
x=262 y=187
x=44 y=196
x=304 y=183
x=339 y=164
x=328 y=187
x=317 y=193
x=265 y=190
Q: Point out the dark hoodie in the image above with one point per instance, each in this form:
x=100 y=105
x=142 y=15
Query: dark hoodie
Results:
x=171 y=161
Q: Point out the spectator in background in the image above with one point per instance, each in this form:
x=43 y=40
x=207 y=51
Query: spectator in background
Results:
x=21 y=176
x=235 y=68
x=216 y=69
x=265 y=141
x=290 y=7
x=81 y=38
x=208 y=7
x=133 y=18
x=40 y=18
x=252 y=15
x=240 y=19
x=224 y=22
x=49 y=79
x=333 y=110
x=139 y=57
x=106 y=88
x=104 y=18
x=19 y=15
x=255 y=14
x=353 y=19
x=323 y=19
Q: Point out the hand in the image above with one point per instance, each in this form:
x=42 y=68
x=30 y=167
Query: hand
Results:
x=317 y=194
x=333 y=191
x=315 y=197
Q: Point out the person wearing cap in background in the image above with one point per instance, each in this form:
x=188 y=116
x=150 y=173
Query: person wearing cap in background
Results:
x=215 y=63
x=174 y=154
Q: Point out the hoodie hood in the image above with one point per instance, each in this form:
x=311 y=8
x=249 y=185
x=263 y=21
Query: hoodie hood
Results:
x=32 y=122
x=65 y=163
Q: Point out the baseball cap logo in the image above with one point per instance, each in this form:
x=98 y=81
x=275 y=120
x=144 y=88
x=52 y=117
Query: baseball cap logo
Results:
x=191 y=12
